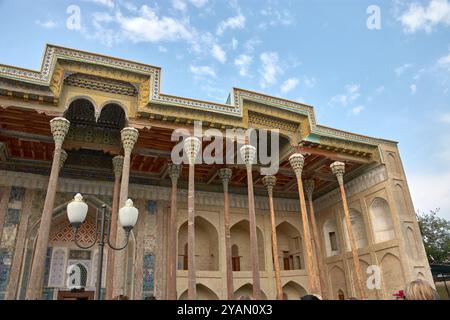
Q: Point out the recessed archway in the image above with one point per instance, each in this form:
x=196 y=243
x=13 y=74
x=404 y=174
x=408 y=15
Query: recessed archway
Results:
x=206 y=246
x=290 y=247
x=330 y=235
x=81 y=112
x=203 y=293
x=247 y=291
x=380 y=214
x=358 y=228
x=293 y=291
x=112 y=116
x=240 y=238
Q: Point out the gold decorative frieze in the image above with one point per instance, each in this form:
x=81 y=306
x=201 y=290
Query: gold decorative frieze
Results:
x=101 y=84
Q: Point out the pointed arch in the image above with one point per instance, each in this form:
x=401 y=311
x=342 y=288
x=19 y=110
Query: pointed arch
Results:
x=81 y=111
x=392 y=275
x=358 y=228
x=381 y=217
x=400 y=201
x=206 y=245
x=203 y=293
x=246 y=290
x=411 y=243
x=290 y=246
x=113 y=116
x=240 y=236
x=338 y=283
x=330 y=236
x=293 y=291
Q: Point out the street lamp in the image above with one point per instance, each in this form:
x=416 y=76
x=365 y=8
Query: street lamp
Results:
x=77 y=211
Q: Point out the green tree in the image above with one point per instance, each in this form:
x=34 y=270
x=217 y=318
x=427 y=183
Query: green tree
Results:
x=436 y=236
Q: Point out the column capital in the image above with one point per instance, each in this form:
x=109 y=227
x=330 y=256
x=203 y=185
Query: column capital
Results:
x=129 y=137
x=269 y=182
x=191 y=148
x=62 y=158
x=297 y=162
x=117 y=166
x=338 y=169
x=174 y=171
x=309 y=188
x=59 y=127
x=248 y=154
x=225 y=174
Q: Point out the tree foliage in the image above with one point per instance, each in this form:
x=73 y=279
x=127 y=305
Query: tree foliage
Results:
x=436 y=236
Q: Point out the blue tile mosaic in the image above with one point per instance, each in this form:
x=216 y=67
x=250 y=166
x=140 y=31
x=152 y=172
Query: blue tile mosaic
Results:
x=149 y=275
x=48 y=260
x=16 y=194
x=151 y=207
x=12 y=217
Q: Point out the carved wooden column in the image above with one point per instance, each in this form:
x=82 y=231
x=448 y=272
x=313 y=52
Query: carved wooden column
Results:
x=191 y=148
x=225 y=175
x=309 y=189
x=297 y=161
x=59 y=128
x=14 y=274
x=270 y=182
x=174 y=172
x=117 y=167
x=338 y=169
x=129 y=137
x=248 y=153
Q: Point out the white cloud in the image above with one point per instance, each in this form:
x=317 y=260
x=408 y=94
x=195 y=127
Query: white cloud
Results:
x=162 y=49
x=251 y=43
x=413 y=89
x=357 y=110
x=419 y=17
x=445 y=118
x=202 y=71
x=107 y=3
x=351 y=94
x=273 y=17
x=49 y=24
x=289 y=85
x=270 y=69
x=218 y=53
x=234 y=43
x=236 y=22
x=310 y=82
x=444 y=62
x=149 y=27
x=199 y=3
x=400 y=70
x=179 y=5
x=243 y=62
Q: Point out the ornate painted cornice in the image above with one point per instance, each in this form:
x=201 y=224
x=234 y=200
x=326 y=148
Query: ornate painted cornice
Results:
x=53 y=71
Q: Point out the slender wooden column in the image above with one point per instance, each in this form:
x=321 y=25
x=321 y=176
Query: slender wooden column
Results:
x=14 y=274
x=129 y=137
x=270 y=182
x=309 y=189
x=191 y=148
x=338 y=169
x=248 y=153
x=4 y=201
x=117 y=167
x=59 y=128
x=225 y=175
x=297 y=161
x=174 y=172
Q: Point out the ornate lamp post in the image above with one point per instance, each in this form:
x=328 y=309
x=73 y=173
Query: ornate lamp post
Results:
x=248 y=153
x=338 y=169
x=297 y=162
x=191 y=147
x=77 y=212
x=270 y=182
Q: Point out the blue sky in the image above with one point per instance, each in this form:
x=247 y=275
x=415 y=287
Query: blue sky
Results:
x=392 y=82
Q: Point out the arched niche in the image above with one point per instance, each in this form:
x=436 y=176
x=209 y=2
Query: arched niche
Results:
x=382 y=225
x=290 y=249
x=206 y=246
x=359 y=230
x=338 y=283
x=393 y=163
x=240 y=237
x=81 y=111
x=392 y=275
x=411 y=243
x=203 y=293
x=400 y=201
x=112 y=116
x=330 y=236
x=247 y=291
x=293 y=291
x=370 y=294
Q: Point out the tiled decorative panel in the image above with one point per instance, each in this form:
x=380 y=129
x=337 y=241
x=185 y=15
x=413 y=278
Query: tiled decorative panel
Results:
x=17 y=194
x=149 y=273
x=151 y=207
x=48 y=293
x=26 y=274
x=5 y=265
x=48 y=260
x=86 y=233
x=12 y=217
x=58 y=268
